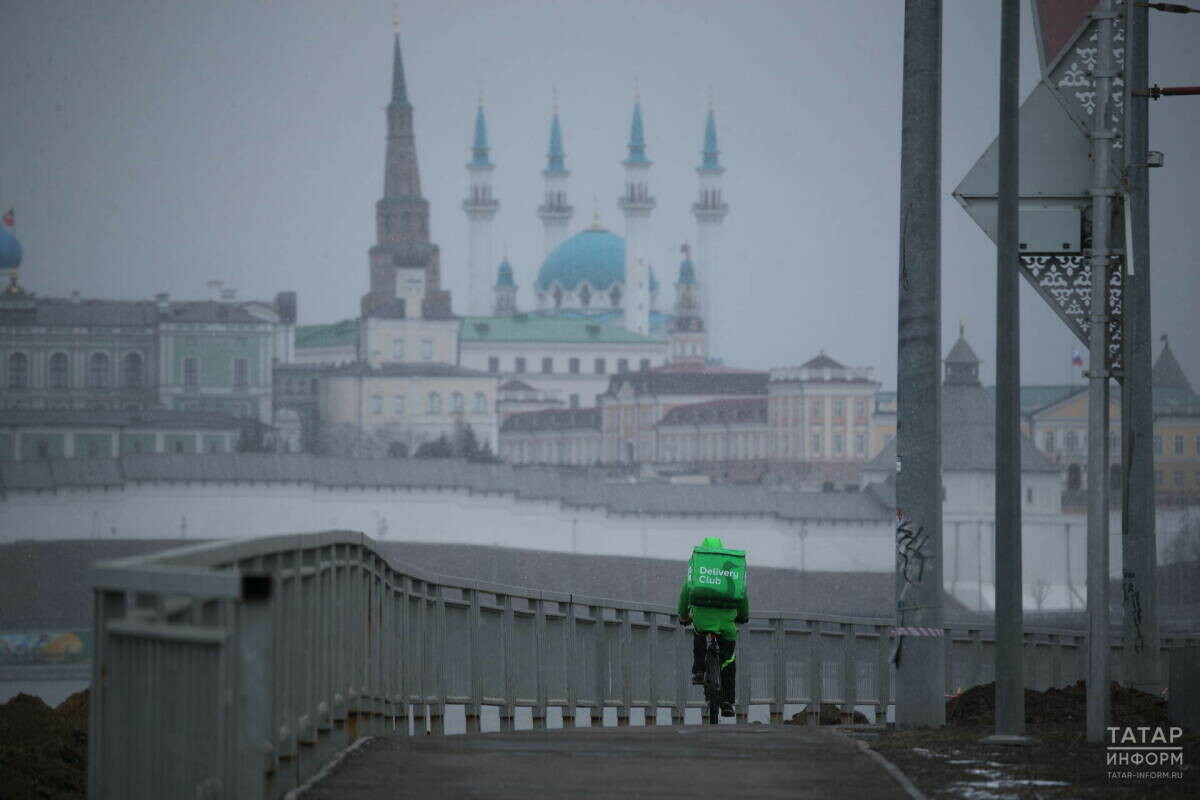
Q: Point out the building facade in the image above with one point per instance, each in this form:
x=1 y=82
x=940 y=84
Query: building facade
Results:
x=569 y=358
x=209 y=356
x=822 y=415
x=565 y=437
x=696 y=418
x=28 y=435
x=1055 y=417
x=395 y=408
x=969 y=452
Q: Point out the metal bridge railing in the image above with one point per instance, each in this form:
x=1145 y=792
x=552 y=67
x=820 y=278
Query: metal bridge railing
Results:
x=239 y=669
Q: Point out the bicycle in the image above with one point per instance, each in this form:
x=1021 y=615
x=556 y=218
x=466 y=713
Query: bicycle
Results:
x=712 y=677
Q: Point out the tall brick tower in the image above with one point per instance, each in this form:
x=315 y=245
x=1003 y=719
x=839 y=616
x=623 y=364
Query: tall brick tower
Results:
x=402 y=216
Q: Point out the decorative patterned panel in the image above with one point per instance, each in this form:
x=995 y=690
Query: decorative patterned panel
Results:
x=1073 y=80
x=1065 y=282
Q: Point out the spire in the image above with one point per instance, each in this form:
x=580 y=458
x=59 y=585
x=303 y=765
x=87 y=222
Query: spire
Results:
x=402 y=214
x=479 y=149
x=10 y=248
x=962 y=365
x=710 y=144
x=504 y=276
x=687 y=270
x=637 y=138
x=554 y=159
x=399 y=90
x=1167 y=374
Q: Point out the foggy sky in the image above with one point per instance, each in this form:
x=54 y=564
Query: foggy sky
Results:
x=153 y=145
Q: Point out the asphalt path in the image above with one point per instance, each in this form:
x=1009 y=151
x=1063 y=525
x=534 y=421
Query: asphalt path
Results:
x=742 y=762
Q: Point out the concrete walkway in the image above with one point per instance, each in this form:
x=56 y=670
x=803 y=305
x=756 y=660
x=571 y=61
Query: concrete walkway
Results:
x=744 y=762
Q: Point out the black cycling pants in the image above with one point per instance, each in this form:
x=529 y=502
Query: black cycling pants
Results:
x=728 y=673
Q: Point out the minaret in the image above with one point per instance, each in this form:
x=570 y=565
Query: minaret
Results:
x=637 y=203
x=686 y=331
x=710 y=211
x=505 y=291
x=402 y=214
x=481 y=207
x=555 y=212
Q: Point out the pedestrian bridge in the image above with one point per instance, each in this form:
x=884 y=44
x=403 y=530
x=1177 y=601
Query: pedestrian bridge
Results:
x=239 y=669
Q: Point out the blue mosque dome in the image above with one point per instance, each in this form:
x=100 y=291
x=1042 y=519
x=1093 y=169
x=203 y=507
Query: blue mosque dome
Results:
x=10 y=249
x=595 y=255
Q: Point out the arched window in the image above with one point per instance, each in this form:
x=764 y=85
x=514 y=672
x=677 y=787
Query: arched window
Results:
x=18 y=371
x=131 y=371
x=585 y=296
x=59 y=371
x=614 y=296
x=558 y=296
x=480 y=406
x=433 y=403
x=456 y=402
x=1074 y=477
x=98 y=371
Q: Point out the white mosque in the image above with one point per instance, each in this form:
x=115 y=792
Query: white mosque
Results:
x=595 y=273
x=595 y=314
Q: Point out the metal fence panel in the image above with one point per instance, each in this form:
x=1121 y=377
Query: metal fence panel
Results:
x=322 y=641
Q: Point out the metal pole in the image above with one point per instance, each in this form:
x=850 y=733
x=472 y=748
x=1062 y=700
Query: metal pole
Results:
x=1138 y=547
x=920 y=659
x=1009 y=658
x=1102 y=135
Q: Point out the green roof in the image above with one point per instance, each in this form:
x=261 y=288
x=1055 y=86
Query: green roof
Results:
x=1167 y=400
x=336 y=334
x=535 y=328
x=1035 y=398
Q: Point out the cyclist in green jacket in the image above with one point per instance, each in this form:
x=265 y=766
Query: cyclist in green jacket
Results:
x=721 y=621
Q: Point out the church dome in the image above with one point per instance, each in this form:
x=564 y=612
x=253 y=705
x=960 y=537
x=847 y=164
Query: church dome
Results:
x=10 y=249
x=594 y=256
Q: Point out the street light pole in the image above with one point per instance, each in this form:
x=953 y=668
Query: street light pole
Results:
x=920 y=659
x=1138 y=548
x=1010 y=658
x=1100 y=255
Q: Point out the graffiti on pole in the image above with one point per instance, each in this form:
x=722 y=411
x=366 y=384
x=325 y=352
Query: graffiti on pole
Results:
x=910 y=550
x=1133 y=607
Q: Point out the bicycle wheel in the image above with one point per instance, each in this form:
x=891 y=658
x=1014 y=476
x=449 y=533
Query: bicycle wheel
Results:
x=712 y=683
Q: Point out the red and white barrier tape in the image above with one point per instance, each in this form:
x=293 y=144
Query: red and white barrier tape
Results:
x=910 y=631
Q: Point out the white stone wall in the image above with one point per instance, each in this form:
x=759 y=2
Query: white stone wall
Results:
x=1054 y=545
x=456 y=517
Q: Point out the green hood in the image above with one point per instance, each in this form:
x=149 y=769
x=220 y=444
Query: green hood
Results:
x=713 y=541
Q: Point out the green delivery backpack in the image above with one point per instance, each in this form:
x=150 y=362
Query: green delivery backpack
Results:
x=716 y=577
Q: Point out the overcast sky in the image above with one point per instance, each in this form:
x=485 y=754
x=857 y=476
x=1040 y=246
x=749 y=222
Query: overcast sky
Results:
x=151 y=146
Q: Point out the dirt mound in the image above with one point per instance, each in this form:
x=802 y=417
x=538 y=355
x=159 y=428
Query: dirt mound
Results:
x=75 y=710
x=43 y=753
x=977 y=706
x=831 y=714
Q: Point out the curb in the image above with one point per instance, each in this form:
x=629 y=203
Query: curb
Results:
x=299 y=791
x=907 y=785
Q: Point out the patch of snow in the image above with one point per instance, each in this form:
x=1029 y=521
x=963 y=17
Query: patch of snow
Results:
x=966 y=791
